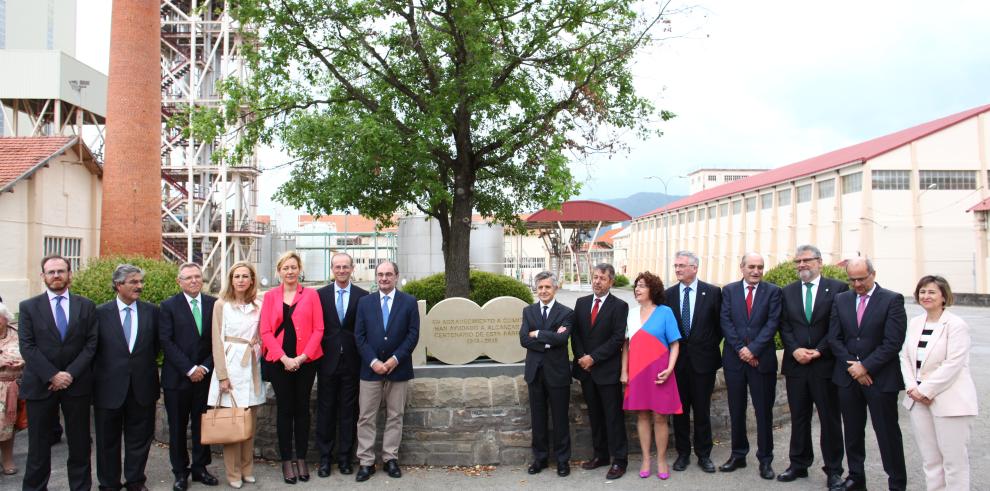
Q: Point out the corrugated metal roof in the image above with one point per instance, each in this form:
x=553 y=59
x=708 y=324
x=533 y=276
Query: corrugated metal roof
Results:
x=580 y=211
x=981 y=206
x=22 y=156
x=837 y=158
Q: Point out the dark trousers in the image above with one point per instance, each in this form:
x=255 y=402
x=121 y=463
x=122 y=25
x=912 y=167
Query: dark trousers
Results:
x=558 y=397
x=292 y=390
x=336 y=414
x=854 y=401
x=802 y=392
x=608 y=424
x=42 y=417
x=695 y=390
x=185 y=406
x=762 y=388
x=136 y=423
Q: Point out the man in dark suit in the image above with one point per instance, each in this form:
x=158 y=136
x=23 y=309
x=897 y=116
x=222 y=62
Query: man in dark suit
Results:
x=58 y=337
x=866 y=333
x=546 y=326
x=185 y=332
x=599 y=333
x=126 y=382
x=340 y=368
x=750 y=317
x=386 y=331
x=808 y=364
x=697 y=306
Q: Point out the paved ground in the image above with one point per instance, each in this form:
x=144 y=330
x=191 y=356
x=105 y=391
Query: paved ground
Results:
x=515 y=477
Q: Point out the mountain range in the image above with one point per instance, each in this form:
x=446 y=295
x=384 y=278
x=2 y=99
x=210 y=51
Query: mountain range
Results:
x=640 y=203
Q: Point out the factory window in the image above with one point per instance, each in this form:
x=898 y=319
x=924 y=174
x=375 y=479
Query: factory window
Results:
x=783 y=197
x=712 y=178
x=711 y=212
x=732 y=177
x=947 y=179
x=891 y=179
x=736 y=207
x=69 y=247
x=852 y=183
x=723 y=209
x=690 y=216
x=766 y=201
x=826 y=189
x=751 y=203
x=804 y=193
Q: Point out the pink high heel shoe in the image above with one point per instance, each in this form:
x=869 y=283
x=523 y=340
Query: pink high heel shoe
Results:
x=663 y=475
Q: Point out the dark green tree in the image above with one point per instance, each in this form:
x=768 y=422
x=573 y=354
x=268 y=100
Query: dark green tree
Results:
x=449 y=107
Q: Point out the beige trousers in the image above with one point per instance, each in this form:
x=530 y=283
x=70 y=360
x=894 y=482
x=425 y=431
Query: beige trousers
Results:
x=370 y=398
x=238 y=458
x=942 y=443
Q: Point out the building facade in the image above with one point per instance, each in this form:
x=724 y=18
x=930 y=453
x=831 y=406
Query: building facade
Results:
x=703 y=179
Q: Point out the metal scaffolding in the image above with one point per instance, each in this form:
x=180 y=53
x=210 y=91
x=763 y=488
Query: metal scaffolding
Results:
x=209 y=206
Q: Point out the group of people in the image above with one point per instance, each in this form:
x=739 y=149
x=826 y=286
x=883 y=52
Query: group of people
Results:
x=848 y=350
x=69 y=355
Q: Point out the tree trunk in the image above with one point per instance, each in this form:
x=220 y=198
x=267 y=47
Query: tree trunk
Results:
x=457 y=240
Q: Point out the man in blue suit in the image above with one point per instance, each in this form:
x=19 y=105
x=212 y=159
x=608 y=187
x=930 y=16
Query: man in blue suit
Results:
x=386 y=331
x=750 y=316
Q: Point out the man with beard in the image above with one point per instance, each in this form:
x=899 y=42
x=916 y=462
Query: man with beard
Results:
x=808 y=364
x=126 y=382
x=58 y=337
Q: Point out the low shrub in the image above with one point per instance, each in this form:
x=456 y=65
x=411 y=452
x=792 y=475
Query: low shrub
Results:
x=786 y=273
x=484 y=287
x=94 y=280
x=621 y=280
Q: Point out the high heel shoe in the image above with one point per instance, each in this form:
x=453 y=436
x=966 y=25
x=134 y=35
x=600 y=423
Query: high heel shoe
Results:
x=288 y=473
x=644 y=474
x=663 y=475
x=302 y=470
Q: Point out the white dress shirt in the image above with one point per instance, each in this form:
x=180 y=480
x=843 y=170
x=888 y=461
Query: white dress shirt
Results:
x=199 y=301
x=65 y=303
x=134 y=320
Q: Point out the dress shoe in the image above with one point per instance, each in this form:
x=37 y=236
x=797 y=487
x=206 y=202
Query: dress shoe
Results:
x=791 y=474
x=345 y=468
x=594 y=464
x=681 y=462
x=732 y=464
x=834 y=480
x=766 y=472
x=249 y=479
x=615 y=472
x=325 y=469
x=205 y=477
x=851 y=484
x=537 y=466
x=181 y=484
x=236 y=484
x=563 y=469
x=392 y=468
x=302 y=470
x=288 y=472
x=364 y=473
x=706 y=464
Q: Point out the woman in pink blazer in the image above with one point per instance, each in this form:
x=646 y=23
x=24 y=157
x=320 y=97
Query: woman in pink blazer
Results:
x=941 y=396
x=291 y=327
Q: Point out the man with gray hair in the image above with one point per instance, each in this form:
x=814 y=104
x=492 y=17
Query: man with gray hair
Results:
x=126 y=386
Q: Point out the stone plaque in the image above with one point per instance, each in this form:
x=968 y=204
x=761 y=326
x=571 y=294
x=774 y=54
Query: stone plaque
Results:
x=457 y=331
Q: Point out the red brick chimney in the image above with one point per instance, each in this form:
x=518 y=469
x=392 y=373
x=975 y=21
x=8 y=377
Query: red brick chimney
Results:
x=131 y=215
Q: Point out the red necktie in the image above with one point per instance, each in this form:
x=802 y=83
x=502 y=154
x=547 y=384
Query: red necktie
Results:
x=749 y=301
x=594 y=311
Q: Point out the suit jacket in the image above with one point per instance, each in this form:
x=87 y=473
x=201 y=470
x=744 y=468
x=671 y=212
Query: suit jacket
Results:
x=376 y=342
x=755 y=331
x=701 y=349
x=307 y=319
x=338 y=339
x=554 y=360
x=602 y=340
x=797 y=332
x=944 y=374
x=184 y=347
x=115 y=368
x=876 y=343
x=45 y=353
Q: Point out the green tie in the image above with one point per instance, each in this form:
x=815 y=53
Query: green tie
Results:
x=807 y=301
x=198 y=316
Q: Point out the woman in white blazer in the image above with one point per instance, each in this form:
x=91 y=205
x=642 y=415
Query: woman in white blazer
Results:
x=941 y=396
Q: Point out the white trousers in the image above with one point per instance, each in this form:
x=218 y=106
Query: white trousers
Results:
x=943 y=445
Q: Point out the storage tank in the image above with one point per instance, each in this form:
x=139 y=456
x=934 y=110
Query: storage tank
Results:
x=421 y=247
x=314 y=251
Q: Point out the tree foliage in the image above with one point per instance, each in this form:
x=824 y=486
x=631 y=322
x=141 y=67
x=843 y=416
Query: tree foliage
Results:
x=94 y=281
x=448 y=107
x=484 y=287
x=786 y=273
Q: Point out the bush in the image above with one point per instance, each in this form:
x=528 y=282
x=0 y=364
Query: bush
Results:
x=786 y=273
x=621 y=281
x=94 y=281
x=484 y=287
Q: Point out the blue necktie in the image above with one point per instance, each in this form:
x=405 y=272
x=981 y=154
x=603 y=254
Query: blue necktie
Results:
x=340 y=306
x=385 y=313
x=686 y=311
x=127 y=327
x=61 y=321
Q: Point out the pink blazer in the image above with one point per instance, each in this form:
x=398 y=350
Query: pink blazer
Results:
x=307 y=317
x=944 y=375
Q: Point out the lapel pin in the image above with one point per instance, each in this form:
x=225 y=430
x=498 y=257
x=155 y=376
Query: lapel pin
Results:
x=826 y=290
x=704 y=293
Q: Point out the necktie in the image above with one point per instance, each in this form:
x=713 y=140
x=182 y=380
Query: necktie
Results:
x=686 y=311
x=749 y=301
x=807 y=302
x=385 y=312
x=340 y=306
x=594 y=311
x=127 y=327
x=197 y=316
x=545 y=314
x=860 y=309
x=61 y=321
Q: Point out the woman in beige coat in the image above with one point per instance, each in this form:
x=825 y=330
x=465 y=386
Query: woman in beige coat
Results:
x=941 y=396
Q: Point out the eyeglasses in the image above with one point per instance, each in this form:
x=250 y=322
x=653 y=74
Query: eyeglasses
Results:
x=807 y=260
x=860 y=280
x=684 y=266
x=56 y=272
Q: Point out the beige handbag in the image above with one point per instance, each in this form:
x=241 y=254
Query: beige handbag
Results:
x=222 y=425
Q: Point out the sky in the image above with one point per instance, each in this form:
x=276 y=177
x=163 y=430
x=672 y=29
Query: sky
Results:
x=759 y=84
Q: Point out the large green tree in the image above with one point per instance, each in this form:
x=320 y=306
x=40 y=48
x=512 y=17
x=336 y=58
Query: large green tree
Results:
x=446 y=106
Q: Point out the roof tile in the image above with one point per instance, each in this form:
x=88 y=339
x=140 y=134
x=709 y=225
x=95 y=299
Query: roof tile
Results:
x=19 y=155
